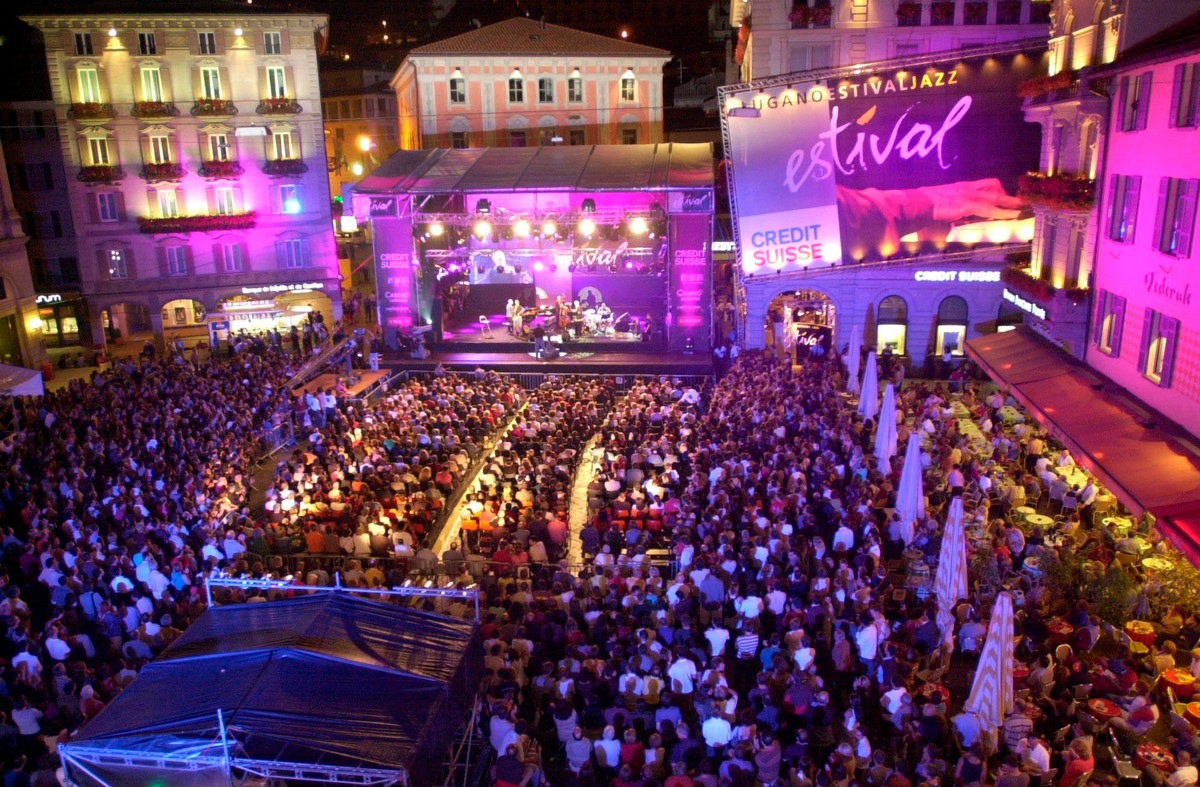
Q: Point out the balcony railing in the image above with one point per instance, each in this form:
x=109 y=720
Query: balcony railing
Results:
x=154 y=109
x=911 y=13
x=941 y=13
x=160 y=172
x=1020 y=279
x=975 y=12
x=182 y=224
x=220 y=169
x=279 y=106
x=213 y=107
x=908 y=14
x=286 y=167
x=92 y=111
x=1058 y=192
x=103 y=173
x=804 y=16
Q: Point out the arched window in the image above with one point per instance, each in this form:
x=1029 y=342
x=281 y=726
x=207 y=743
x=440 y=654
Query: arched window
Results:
x=951 y=325
x=891 y=332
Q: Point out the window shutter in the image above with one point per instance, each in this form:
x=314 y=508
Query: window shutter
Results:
x=102 y=263
x=1132 y=194
x=305 y=252
x=1102 y=298
x=152 y=200
x=285 y=42
x=161 y=254
x=181 y=202
x=276 y=200
x=1122 y=103
x=1160 y=214
x=238 y=202
x=1176 y=96
x=1143 y=108
x=120 y=206
x=1187 y=217
x=280 y=255
x=211 y=194
x=1147 y=321
x=93 y=208
x=218 y=259
x=1168 y=328
x=1190 y=118
x=1118 y=311
x=47 y=176
x=1114 y=191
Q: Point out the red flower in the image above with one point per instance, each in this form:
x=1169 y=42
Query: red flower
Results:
x=177 y=224
x=908 y=14
x=1057 y=192
x=1039 y=85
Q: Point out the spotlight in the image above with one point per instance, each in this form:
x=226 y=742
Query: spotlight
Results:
x=549 y=228
x=482 y=229
x=587 y=227
x=112 y=32
x=521 y=228
x=538 y=267
x=436 y=229
x=638 y=225
x=291 y=205
x=589 y=205
x=483 y=206
x=357 y=169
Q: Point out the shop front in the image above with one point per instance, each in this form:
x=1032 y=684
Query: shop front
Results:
x=64 y=320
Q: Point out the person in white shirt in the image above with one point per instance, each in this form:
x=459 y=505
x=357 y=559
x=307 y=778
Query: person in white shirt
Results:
x=843 y=539
x=716 y=732
x=1035 y=757
x=867 y=640
x=683 y=675
x=717 y=637
x=1185 y=774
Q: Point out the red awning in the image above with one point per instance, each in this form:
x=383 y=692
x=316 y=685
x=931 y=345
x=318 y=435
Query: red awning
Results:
x=1125 y=444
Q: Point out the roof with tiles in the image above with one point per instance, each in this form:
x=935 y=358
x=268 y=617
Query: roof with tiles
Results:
x=521 y=36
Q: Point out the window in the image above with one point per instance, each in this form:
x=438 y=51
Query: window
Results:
x=1122 y=207
x=575 y=89
x=218 y=147
x=208 y=43
x=1049 y=238
x=458 y=139
x=98 y=148
x=281 y=145
x=89 y=86
x=107 y=207
x=160 y=150
x=292 y=253
x=288 y=198
x=1176 y=216
x=1183 y=96
x=1087 y=159
x=1134 y=102
x=458 y=90
x=629 y=136
x=628 y=87
x=168 y=204
x=1073 y=276
x=546 y=90
x=951 y=326
x=381 y=105
x=516 y=90
x=37 y=177
x=891 y=331
x=577 y=136
x=39 y=127
x=224 y=197
x=346 y=109
x=807 y=58
x=1159 y=337
x=83 y=43
x=273 y=43
x=231 y=258
x=146 y=44
x=118 y=265
x=1110 y=323
x=176 y=259
x=210 y=83
x=516 y=139
x=276 y=82
x=152 y=84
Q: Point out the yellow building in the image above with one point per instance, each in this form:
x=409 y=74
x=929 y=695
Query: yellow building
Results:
x=361 y=122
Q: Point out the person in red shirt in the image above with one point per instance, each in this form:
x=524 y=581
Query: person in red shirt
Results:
x=633 y=752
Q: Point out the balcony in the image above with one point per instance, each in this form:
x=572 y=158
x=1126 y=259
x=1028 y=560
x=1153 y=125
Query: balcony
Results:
x=279 y=106
x=104 y=173
x=156 y=173
x=1019 y=279
x=975 y=13
x=220 y=169
x=92 y=112
x=154 y=110
x=908 y=14
x=803 y=16
x=183 y=224
x=284 y=168
x=941 y=13
x=213 y=108
x=1069 y=193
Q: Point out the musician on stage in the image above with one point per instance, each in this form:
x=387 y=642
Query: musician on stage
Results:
x=562 y=312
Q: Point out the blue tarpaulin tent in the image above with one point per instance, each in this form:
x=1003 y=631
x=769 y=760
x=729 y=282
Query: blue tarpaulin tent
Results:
x=330 y=688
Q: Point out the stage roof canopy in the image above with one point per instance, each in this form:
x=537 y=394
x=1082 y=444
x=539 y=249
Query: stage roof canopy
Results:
x=330 y=683
x=667 y=166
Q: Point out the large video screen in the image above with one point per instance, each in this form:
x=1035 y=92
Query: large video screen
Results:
x=881 y=165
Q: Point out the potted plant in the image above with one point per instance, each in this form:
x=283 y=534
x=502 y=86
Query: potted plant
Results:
x=800 y=16
x=279 y=106
x=284 y=167
x=92 y=111
x=154 y=109
x=941 y=13
x=231 y=221
x=1008 y=12
x=220 y=169
x=159 y=172
x=213 y=107
x=822 y=16
x=1057 y=192
x=908 y=14
x=104 y=173
x=975 y=13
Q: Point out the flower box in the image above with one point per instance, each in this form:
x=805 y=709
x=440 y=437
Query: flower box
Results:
x=1008 y=12
x=822 y=16
x=159 y=172
x=178 y=224
x=279 y=106
x=1057 y=192
x=743 y=40
x=799 y=16
x=1031 y=88
x=941 y=13
x=284 y=167
x=908 y=14
x=154 y=109
x=975 y=13
x=92 y=111
x=1021 y=280
x=100 y=174
x=213 y=107
x=220 y=169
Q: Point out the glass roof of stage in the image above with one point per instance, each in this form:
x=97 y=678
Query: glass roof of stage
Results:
x=551 y=168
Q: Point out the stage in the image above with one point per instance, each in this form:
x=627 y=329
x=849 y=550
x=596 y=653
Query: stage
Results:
x=473 y=336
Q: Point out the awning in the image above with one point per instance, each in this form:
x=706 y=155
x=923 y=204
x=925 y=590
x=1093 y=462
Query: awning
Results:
x=1131 y=449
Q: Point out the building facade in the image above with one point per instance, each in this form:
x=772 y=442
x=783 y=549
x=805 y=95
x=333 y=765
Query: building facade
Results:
x=196 y=169
x=361 y=122
x=522 y=83
x=20 y=328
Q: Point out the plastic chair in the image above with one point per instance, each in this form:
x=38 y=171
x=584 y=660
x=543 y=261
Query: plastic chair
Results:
x=485 y=327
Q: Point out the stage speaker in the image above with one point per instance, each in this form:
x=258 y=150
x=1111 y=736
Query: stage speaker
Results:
x=437 y=319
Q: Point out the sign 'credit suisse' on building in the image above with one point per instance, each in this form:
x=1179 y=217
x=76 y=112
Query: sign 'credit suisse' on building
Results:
x=900 y=161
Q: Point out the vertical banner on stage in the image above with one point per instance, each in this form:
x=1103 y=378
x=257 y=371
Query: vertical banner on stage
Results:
x=691 y=281
x=391 y=226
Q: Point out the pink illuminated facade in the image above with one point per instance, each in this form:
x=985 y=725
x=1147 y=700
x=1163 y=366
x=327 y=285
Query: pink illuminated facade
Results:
x=196 y=168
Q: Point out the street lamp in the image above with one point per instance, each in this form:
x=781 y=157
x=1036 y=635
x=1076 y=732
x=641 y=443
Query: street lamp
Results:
x=364 y=143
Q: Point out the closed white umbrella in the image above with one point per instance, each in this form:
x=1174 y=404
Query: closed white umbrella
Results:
x=950 y=583
x=910 y=495
x=885 y=433
x=868 y=401
x=854 y=362
x=992 y=692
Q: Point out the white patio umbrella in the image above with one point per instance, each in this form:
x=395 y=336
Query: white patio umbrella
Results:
x=910 y=495
x=950 y=583
x=885 y=433
x=854 y=362
x=992 y=692
x=868 y=400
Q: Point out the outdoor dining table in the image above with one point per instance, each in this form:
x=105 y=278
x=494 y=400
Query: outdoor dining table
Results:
x=926 y=692
x=1060 y=631
x=1033 y=566
x=1011 y=414
x=1022 y=513
x=1020 y=672
x=1072 y=475
x=1103 y=709
x=1118 y=524
x=1158 y=564
x=1039 y=520
x=1180 y=681
x=1192 y=713
x=1148 y=754
x=1140 y=631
